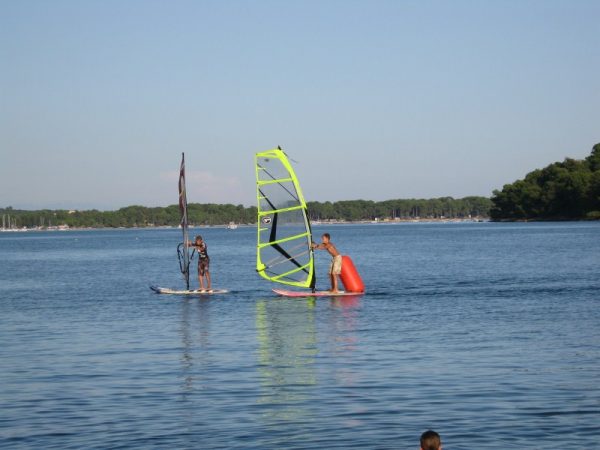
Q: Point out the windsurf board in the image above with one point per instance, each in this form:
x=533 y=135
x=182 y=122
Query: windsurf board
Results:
x=286 y=293
x=162 y=290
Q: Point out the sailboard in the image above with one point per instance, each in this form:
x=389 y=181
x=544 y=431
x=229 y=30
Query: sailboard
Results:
x=161 y=290
x=286 y=293
x=283 y=251
x=183 y=249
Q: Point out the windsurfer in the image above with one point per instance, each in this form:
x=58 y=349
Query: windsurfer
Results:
x=203 y=262
x=335 y=268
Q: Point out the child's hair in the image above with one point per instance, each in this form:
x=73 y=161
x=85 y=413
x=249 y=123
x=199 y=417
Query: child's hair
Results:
x=430 y=440
x=326 y=235
x=198 y=237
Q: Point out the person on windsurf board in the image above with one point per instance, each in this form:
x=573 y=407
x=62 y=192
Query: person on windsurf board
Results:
x=335 y=268
x=203 y=263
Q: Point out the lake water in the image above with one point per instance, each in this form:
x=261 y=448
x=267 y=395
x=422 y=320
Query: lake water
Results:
x=487 y=333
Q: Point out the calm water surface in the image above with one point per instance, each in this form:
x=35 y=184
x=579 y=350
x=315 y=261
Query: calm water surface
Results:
x=487 y=333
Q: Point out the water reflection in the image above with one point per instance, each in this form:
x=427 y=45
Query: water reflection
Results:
x=349 y=301
x=343 y=324
x=342 y=339
x=287 y=347
x=197 y=313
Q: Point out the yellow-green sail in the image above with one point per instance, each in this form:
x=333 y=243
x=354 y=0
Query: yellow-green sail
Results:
x=283 y=252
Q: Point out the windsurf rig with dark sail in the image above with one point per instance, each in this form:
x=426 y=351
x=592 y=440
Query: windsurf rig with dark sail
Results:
x=183 y=251
x=284 y=254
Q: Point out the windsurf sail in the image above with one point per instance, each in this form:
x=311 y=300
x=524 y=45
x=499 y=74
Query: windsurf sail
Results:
x=183 y=251
x=284 y=254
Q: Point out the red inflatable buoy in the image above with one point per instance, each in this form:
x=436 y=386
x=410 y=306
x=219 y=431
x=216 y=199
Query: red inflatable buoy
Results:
x=350 y=277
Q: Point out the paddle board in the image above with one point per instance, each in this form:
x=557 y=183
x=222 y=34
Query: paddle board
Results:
x=285 y=293
x=162 y=290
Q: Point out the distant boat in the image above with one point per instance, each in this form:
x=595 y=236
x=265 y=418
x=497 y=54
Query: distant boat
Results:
x=232 y=226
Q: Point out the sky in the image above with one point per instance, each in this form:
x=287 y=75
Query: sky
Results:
x=373 y=100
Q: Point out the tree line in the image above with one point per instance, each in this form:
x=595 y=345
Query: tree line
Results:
x=216 y=214
x=565 y=190
x=132 y=216
x=403 y=209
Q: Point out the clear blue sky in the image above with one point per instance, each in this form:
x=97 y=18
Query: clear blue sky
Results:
x=374 y=99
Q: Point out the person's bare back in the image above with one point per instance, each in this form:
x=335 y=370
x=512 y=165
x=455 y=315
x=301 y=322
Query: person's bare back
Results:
x=331 y=249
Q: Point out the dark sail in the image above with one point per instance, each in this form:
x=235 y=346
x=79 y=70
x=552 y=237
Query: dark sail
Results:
x=183 y=248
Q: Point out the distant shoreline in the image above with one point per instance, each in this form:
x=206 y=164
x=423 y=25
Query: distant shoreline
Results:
x=314 y=224
x=347 y=211
x=250 y=225
x=64 y=228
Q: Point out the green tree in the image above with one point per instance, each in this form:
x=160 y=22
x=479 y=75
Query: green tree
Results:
x=562 y=190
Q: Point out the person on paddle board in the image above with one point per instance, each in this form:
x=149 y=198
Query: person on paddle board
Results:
x=335 y=268
x=203 y=262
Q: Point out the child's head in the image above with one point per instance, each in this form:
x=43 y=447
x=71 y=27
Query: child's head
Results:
x=198 y=238
x=430 y=440
x=326 y=238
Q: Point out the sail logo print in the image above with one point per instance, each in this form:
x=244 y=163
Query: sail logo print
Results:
x=266 y=220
